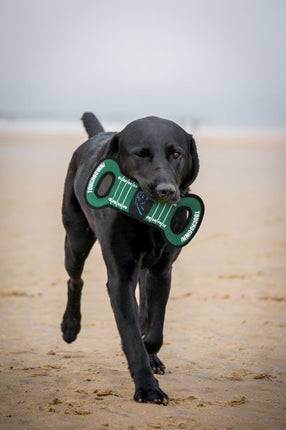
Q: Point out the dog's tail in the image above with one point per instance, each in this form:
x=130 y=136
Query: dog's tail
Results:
x=91 y=124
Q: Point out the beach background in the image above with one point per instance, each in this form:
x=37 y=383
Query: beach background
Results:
x=225 y=326
x=224 y=344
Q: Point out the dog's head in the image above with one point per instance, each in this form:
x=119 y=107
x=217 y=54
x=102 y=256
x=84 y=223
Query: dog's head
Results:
x=157 y=153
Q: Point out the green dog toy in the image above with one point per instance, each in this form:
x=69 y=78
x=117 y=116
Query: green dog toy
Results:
x=124 y=194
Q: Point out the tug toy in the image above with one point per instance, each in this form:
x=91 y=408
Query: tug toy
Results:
x=109 y=187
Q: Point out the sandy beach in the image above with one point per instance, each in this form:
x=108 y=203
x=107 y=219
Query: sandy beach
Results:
x=224 y=346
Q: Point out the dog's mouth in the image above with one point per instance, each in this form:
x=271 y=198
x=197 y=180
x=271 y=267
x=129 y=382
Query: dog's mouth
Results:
x=169 y=200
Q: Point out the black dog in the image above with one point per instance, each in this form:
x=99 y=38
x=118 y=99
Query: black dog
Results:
x=163 y=158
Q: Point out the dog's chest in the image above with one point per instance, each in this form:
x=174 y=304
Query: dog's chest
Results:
x=151 y=258
x=156 y=249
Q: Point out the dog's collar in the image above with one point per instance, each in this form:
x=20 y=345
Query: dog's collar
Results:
x=125 y=195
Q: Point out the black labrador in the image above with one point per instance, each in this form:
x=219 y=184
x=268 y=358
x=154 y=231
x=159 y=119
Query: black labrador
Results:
x=163 y=158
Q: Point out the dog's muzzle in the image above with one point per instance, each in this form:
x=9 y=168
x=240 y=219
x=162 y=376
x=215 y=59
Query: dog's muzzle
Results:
x=166 y=193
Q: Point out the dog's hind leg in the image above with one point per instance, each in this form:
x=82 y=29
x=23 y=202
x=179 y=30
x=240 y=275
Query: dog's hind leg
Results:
x=77 y=248
x=78 y=243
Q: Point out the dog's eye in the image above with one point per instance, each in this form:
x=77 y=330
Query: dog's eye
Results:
x=143 y=153
x=175 y=154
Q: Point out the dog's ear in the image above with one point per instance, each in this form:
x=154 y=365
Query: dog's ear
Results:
x=110 y=149
x=193 y=166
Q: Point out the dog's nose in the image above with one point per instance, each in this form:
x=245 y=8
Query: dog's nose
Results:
x=166 y=191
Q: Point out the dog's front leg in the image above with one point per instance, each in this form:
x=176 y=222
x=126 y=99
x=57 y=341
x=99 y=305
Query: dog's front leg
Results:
x=121 y=287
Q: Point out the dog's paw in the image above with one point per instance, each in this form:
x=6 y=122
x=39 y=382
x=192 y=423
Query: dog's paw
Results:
x=151 y=395
x=156 y=364
x=70 y=328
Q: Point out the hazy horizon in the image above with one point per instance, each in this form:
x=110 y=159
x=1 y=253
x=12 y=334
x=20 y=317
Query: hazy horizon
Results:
x=212 y=63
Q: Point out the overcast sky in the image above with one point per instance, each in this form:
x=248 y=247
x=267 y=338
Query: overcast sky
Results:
x=222 y=62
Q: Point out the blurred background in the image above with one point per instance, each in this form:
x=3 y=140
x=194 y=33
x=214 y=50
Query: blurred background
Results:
x=209 y=64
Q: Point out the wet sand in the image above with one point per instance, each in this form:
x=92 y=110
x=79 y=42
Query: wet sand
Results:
x=224 y=345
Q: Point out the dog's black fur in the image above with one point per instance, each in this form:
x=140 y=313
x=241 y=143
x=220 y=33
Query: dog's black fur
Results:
x=163 y=158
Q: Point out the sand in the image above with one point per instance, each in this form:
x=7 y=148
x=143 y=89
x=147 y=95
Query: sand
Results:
x=224 y=345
